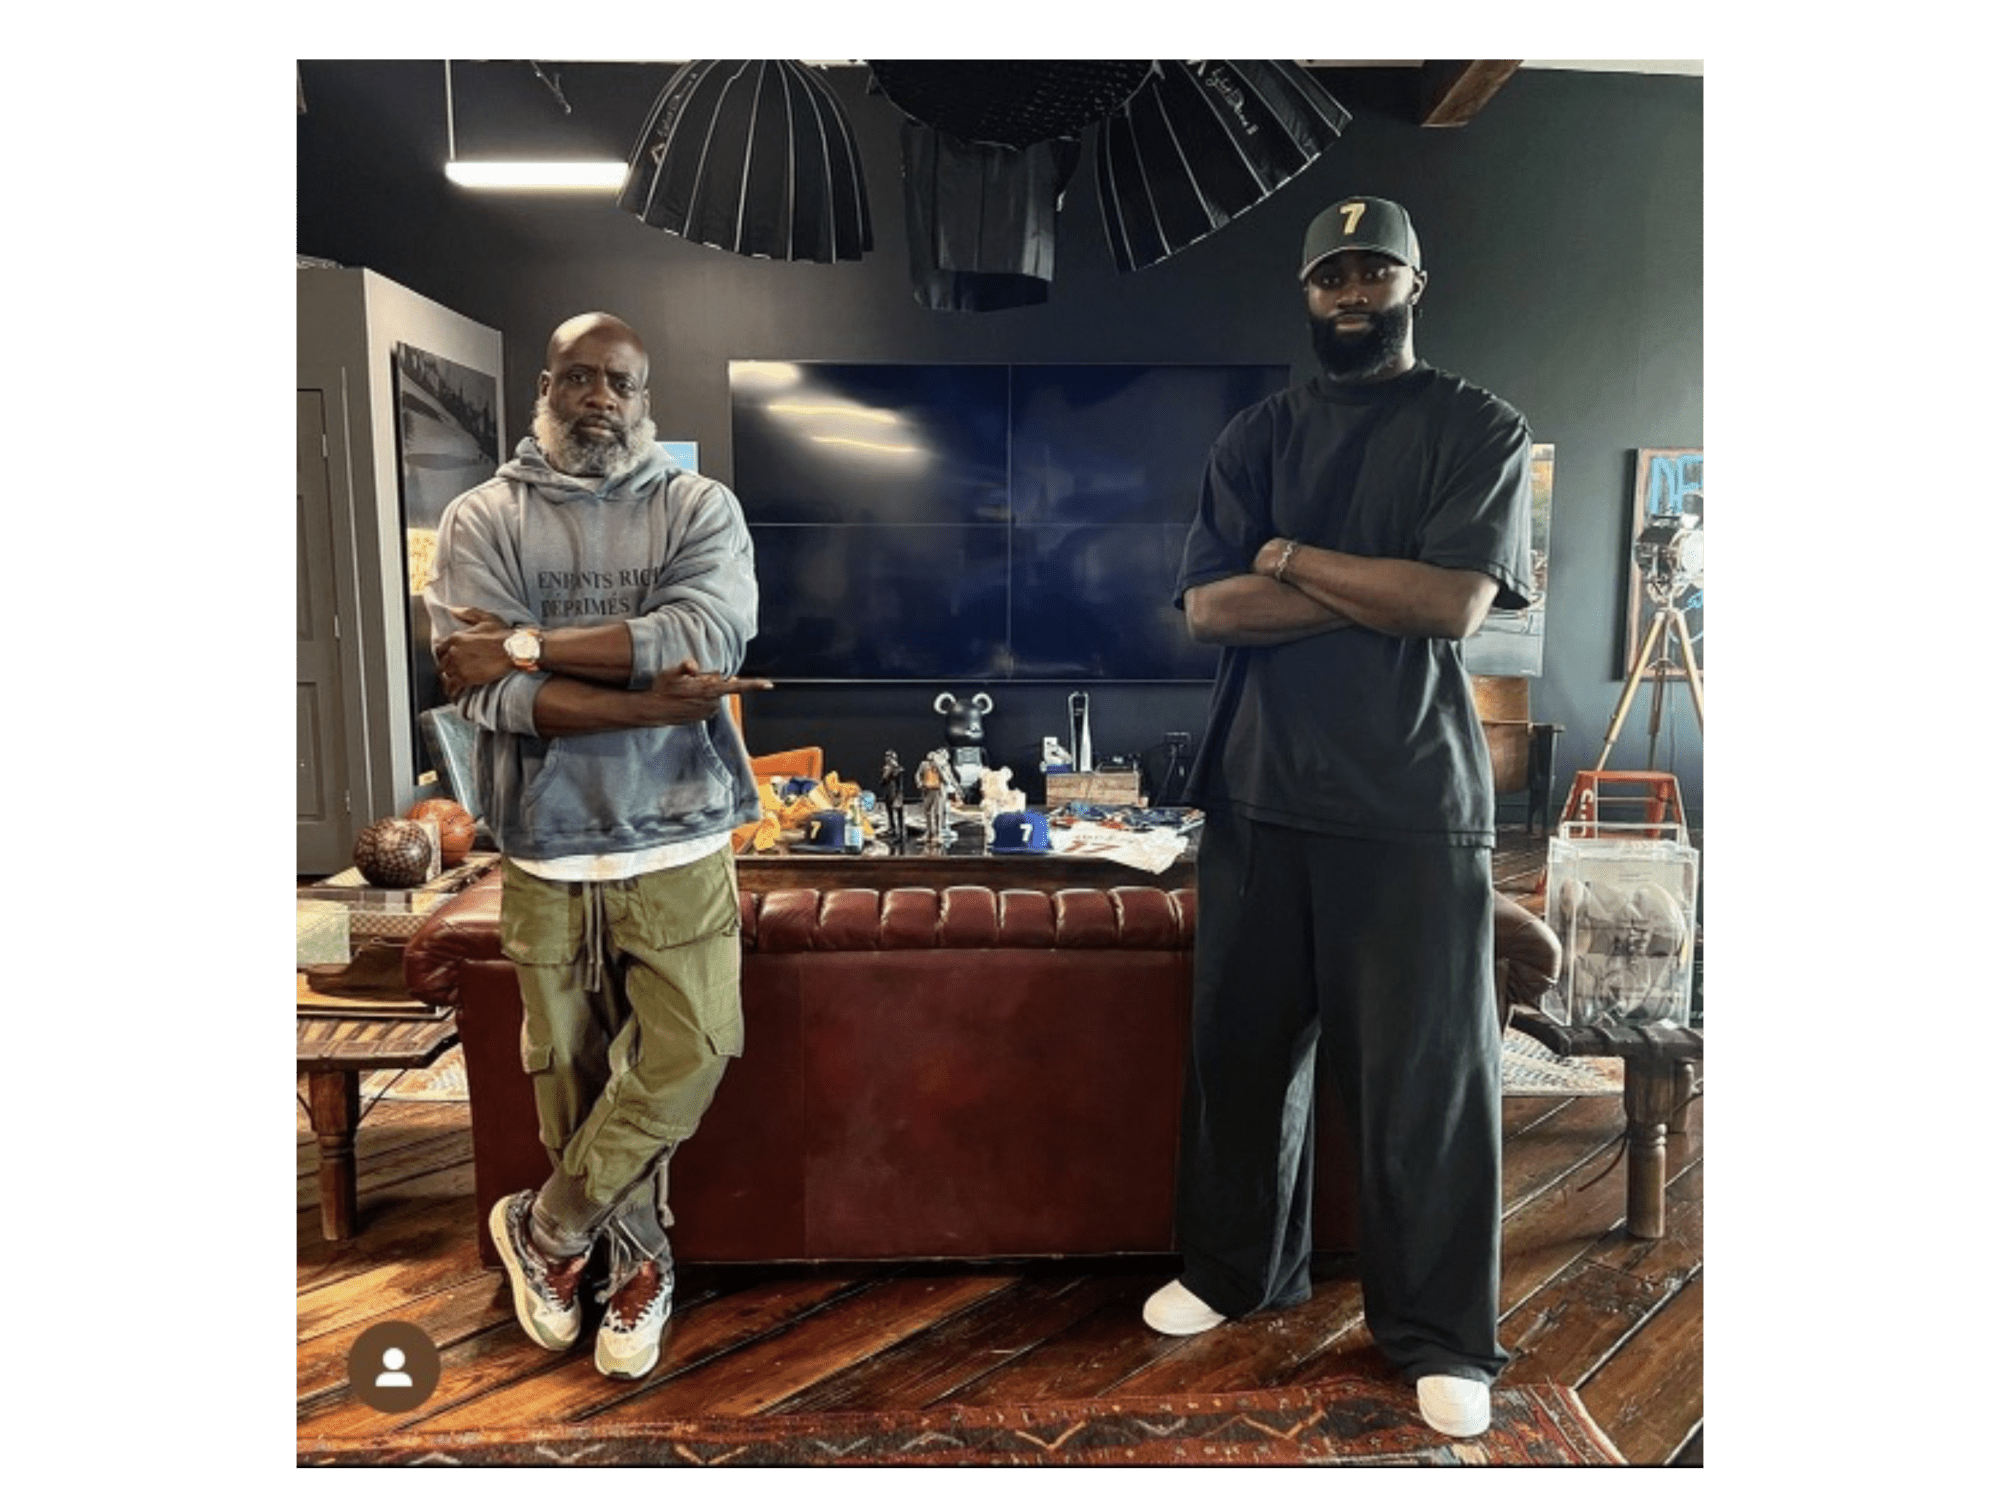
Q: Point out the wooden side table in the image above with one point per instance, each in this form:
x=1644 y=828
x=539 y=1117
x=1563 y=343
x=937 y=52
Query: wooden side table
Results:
x=1659 y=1081
x=333 y=1054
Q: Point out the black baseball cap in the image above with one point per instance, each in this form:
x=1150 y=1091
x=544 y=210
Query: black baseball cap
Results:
x=1362 y=224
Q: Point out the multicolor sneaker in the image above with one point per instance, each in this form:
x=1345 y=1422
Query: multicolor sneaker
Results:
x=545 y=1298
x=638 y=1302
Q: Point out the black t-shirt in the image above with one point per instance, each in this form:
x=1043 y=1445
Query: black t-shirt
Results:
x=1354 y=732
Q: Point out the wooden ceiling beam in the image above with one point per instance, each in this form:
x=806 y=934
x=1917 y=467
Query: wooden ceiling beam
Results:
x=1450 y=93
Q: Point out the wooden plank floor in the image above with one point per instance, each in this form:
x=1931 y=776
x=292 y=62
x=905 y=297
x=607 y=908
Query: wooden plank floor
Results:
x=1619 y=1319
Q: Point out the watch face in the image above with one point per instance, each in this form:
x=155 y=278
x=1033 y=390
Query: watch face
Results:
x=524 y=645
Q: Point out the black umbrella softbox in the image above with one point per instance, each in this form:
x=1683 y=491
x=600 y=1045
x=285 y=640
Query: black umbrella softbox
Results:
x=1199 y=143
x=757 y=158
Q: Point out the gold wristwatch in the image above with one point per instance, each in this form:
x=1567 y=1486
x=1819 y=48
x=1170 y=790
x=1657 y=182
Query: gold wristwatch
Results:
x=524 y=649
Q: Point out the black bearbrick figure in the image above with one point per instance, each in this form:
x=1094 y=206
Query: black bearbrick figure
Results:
x=965 y=729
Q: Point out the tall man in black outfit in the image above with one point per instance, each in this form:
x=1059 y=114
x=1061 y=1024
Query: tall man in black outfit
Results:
x=1352 y=531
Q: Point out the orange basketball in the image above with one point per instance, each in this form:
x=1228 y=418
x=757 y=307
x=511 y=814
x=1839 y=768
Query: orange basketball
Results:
x=454 y=825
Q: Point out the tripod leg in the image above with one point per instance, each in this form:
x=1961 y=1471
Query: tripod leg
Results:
x=1693 y=670
x=1640 y=660
x=1659 y=671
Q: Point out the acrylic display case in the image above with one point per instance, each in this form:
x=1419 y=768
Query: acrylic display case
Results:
x=322 y=933
x=377 y=913
x=1621 y=898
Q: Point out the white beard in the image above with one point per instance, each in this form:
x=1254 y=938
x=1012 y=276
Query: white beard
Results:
x=611 y=458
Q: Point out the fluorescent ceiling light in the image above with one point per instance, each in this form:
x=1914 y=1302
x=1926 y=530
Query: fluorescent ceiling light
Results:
x=559 y=176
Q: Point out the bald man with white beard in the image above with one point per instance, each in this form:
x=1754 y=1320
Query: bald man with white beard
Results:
x=590 y=607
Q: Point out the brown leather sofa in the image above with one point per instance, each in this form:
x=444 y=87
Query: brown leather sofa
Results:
x=964 y=1074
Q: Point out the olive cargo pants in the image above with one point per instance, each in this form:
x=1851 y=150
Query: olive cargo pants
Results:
x=631 y=1009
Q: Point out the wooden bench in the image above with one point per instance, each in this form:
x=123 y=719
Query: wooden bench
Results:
x=333 y=1054
x=1660 y=1067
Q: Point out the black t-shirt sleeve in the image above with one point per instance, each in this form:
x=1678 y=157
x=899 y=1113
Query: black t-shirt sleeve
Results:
x=1482 y=519
x=1232 y=519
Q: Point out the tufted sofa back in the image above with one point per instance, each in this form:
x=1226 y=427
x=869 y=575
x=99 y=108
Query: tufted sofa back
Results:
x=963 y=917
x=467 y=931
x=1526 y=953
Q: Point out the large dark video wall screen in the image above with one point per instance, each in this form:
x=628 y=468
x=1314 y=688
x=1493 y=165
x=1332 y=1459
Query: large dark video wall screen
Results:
x=1016 y=522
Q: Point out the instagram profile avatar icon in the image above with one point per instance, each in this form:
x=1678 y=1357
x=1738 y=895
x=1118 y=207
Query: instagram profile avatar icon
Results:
x=393 y=1373
x=393 y=1367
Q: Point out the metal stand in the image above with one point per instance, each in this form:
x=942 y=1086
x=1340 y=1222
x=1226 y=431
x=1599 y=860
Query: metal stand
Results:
x=1655 y=659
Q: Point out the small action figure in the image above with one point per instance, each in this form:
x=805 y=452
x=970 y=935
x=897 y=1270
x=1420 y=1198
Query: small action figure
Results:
x=892 y=797
x=934 y=780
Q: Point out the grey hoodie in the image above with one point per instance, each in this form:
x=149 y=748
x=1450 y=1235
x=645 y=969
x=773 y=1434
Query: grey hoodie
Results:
x=663 y=550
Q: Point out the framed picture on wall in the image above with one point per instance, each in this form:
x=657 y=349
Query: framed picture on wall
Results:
x=448 y=440
x=1667 y=486
x=1509 y=642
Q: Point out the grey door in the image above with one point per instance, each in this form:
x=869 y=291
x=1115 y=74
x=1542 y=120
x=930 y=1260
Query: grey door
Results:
x=326 y=832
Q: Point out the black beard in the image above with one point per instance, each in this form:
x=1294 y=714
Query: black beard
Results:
x=610 y=458
x=1356 y=356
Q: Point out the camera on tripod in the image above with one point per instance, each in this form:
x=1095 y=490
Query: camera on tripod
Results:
x=1668 y=554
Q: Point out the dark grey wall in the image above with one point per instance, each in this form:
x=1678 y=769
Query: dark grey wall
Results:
x=1562 y=228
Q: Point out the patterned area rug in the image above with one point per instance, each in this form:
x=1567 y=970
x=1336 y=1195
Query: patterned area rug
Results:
x=1352 y=1420
x=1526 y=1067
x=443 y=1082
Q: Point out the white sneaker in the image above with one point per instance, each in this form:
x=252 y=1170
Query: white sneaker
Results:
x=638 y=1303
x=1455 y=1406
x=1175 y=1309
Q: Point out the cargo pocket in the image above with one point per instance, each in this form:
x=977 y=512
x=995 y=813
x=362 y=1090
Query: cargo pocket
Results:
x=538 y=1061
x=677 y=907
x=541 y=921
x=626 y=1146
x=692 y=933
x=725 y=1032
x=710 y=974
x=536 y=1057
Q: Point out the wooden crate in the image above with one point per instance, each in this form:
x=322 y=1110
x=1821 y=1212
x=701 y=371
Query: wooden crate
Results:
x=1104 y=788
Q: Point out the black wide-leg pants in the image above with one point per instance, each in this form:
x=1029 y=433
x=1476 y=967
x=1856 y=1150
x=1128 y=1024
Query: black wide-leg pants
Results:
x=1382 y=954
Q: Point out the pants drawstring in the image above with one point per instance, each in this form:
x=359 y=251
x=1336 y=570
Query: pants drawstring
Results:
x=596 y=936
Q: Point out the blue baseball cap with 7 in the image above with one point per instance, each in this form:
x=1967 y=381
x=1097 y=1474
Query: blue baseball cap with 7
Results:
x=1362 y=224
x=1020 y=833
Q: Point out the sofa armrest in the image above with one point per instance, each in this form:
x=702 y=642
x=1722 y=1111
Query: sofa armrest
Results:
x=466 y=929
x=1527 y=956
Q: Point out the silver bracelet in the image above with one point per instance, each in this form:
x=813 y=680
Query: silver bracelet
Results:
x=1284 y=562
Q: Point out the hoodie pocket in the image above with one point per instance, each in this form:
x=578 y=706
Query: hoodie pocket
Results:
x=626 y=788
